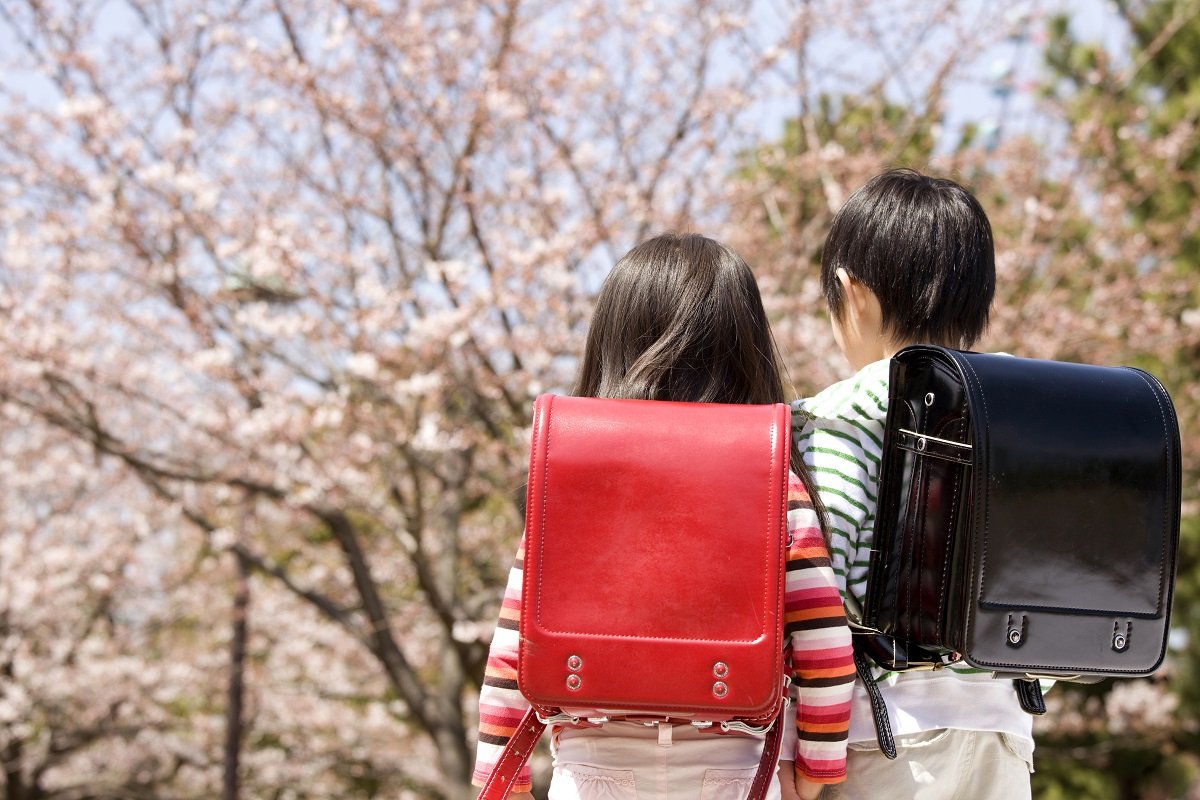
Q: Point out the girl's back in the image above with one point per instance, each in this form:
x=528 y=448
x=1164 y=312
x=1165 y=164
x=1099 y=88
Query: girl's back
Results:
x=680 y=318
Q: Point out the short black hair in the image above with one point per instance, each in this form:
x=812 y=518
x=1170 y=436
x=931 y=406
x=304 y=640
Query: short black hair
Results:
x=924 y=247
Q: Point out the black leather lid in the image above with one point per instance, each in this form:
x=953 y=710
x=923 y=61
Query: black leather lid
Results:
x=1078 y=474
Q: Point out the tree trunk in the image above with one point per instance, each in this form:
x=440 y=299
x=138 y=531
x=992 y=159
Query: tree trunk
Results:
x=10 y=756
x=13 y=785
x=237 y=670
x=454 y=759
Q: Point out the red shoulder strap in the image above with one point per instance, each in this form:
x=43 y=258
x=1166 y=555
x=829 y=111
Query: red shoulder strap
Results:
x=517 y=751
x=515 y=754
x=769 y=763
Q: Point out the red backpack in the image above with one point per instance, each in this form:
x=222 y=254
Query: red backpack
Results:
x=655 y=541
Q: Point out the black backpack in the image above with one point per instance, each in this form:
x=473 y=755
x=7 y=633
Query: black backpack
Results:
x=1027 y=523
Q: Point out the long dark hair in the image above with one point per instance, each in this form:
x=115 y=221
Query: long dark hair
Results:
x=680 y=318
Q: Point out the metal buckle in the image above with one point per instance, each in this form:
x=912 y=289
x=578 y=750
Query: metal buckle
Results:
x=650 y=720
x=938 y=439
x=741 y=727
x=1034 y=676
x=559 y=718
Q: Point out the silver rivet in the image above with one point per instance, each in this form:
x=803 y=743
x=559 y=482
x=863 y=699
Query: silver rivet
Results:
x=1119 y=642
x=574 y=663
x=921 y=444
x=1014 y=636
x=929 y=399
x=720 y=669
x=574 y=682
x=720 y=689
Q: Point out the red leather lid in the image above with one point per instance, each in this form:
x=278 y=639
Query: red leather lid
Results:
x=654 y=550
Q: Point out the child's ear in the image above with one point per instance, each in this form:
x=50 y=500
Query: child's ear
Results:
x=861 y=312
x=855 y=296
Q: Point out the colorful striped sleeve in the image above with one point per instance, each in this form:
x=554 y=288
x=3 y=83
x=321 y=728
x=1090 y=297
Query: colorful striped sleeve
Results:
x=822 y=658
x=501 y=704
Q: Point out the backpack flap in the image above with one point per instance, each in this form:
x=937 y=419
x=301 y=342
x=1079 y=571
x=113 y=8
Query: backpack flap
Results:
x=654 y=559
x=1074 y=516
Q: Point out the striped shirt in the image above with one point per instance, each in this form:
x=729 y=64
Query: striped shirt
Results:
x=819 y=656
x=840 y=434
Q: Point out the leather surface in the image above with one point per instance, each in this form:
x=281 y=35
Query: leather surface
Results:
x=883 y=725
x=1054 y=550
x=1029 y=694
x=1075 y=486
x=514 y=756
x=654 y=549
x=926 y=499
x=768 y=762
x=1076 y=517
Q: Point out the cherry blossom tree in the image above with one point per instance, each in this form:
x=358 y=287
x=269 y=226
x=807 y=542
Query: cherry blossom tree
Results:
x=81 y=709
x=289 y=274
x=280 y=279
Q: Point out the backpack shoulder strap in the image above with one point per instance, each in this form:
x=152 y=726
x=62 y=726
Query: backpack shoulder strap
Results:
x=519 y=747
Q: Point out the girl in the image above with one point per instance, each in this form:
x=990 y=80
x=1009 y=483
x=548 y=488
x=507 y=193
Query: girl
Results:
x=680 y=318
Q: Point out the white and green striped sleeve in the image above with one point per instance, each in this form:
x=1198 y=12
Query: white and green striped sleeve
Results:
x=839 y=433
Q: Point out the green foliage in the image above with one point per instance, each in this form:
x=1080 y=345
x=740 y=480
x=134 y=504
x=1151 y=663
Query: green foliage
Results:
x=1096 y=765
x=1184 y=620
x=1134 y=131
x=1143 y=102
x=1135 y=772
x=1055 y=780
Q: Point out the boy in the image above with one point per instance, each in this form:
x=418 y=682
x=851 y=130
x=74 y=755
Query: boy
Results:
x=909 y=259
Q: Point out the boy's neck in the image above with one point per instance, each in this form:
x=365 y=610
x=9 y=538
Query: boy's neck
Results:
x=891 y=348
x=883 y=349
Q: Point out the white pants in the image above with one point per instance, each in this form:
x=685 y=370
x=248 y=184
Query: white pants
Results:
x=947 y=764
x=627 y=761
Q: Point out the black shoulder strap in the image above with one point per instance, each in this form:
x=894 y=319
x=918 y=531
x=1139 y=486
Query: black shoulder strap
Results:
x=883 y=726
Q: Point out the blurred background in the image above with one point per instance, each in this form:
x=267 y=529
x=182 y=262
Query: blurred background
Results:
x=279 y=280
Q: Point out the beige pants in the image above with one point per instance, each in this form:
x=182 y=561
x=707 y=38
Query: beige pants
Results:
x=629 y=761
x=945 y=764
